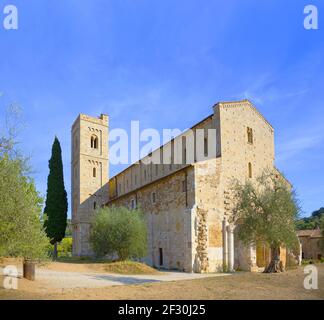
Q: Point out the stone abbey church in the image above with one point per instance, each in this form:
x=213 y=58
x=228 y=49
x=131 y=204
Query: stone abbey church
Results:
x=186 y=206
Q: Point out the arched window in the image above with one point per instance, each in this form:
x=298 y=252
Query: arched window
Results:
x=94 y=172
x=94 y=142
x=250 y=135
x=250 y=170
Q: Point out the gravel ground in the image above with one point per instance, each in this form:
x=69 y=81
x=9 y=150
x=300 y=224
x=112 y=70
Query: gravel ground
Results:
x=68 y=280
x=88 y=284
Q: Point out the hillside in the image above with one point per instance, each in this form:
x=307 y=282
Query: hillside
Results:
x=312 y=222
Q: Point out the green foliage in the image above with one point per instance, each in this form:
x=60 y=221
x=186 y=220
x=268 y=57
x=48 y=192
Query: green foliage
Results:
x=68 y=231
x=21 y=232
x=312 y=261
x=64 y=248
x=312 y=222
x=119 y=231
x=56 y=197
x=266 y=211
x=321 y=225
x=318 y=213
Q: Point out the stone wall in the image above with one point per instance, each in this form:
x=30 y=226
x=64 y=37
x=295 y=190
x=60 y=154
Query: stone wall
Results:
x=169 y=219
x=89 y=176
x=184 y=223
x=311 y=247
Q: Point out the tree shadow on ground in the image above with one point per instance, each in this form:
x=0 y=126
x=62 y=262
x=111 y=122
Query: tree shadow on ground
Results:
x=123 y=280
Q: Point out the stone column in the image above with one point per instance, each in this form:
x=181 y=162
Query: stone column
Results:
x=224 y=229
x=230 y=244
x=189 y=239
x=300 y=256
x=253 y=258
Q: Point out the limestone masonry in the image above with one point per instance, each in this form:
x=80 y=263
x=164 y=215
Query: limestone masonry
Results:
x=187 y=206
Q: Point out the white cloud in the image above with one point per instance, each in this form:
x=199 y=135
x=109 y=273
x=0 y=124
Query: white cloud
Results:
x=291 y=148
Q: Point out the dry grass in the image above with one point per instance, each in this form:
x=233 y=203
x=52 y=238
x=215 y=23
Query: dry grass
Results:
x=76 y=264
x=129 y=267
x=242 y=285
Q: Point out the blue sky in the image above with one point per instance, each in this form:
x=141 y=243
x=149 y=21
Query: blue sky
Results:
x=144 y=59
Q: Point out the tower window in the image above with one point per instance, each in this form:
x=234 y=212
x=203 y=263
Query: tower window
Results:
x=94 y=142
x=250 y=170
x=95 y=205
x=250 y=135
x=94 y=172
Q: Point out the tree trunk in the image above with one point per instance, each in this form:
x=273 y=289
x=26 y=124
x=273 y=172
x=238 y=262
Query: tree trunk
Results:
x=29 y=270
x=275 y=265
x=55 y=251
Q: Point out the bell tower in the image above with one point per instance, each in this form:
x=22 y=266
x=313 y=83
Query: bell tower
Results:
x=89 y=176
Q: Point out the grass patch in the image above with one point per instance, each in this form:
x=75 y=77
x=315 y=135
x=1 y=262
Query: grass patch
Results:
x=129 y=267
x=105 y=265
x=81 y=260
x=312 y=261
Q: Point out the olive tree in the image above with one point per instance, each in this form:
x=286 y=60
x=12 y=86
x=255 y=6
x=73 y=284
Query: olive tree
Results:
x=265 y=210
x=119 y=231
x=21 y=231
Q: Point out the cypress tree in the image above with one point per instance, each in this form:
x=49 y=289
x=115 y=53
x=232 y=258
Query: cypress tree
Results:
x=56 y=205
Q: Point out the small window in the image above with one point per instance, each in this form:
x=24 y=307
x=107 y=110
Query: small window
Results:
x=144 y=175
x=184 y=186
x=76 y=144
x=205 y=147
x=156 y=170
x=94 y=142
x=161 y=256
x=184 y=150
x=94 y=172
x=153 y=197
x=250 y=135
x=133 y=204
x=95 y=205
x=250 y=170
x=135 y=179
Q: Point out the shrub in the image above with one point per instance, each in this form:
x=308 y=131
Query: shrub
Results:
x=119 y=231
x=64 y=248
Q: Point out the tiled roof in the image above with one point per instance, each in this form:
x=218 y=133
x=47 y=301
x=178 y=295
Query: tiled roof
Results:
x=316 y=233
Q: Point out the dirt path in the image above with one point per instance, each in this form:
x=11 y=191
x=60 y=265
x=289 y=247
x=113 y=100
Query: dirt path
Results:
x=241 y=285
x=68 y=280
